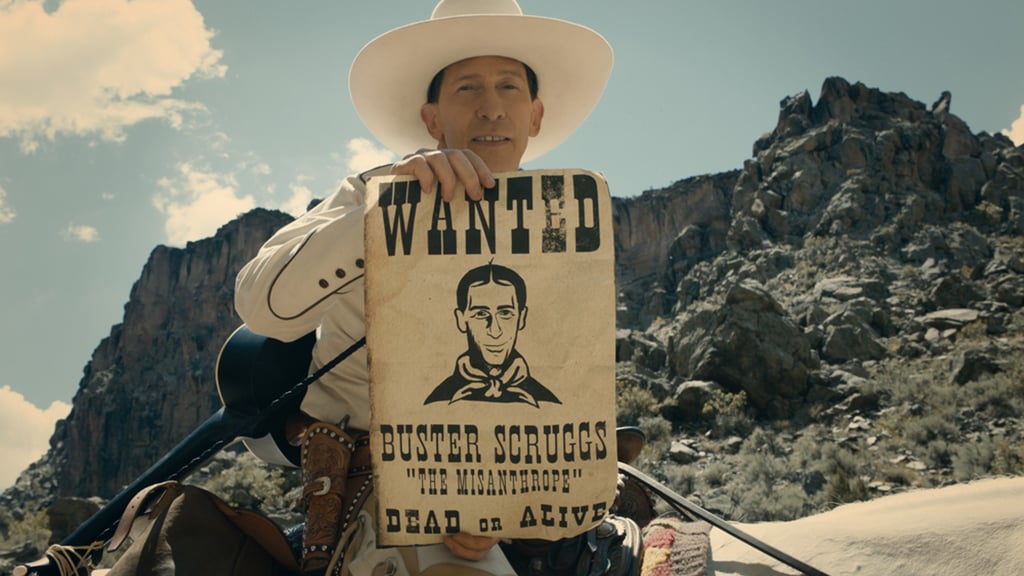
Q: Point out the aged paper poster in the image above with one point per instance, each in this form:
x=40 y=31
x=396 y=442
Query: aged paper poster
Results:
x=491 y=333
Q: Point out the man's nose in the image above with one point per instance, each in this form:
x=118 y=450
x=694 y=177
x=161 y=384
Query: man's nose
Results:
x=491 y=107
x=493 y=328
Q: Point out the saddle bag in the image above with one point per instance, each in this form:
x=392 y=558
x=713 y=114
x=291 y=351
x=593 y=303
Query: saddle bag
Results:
x=180 y=529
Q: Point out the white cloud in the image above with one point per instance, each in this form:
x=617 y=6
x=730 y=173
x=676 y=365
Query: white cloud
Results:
x=196 y=203
x=364 y=155
x=81 y=233
x=7 y=213
x=25 y=432
x=296 y=204
x=95 y=67
x=1016 y=131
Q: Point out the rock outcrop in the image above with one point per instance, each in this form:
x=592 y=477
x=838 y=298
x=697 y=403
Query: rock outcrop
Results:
x=152 y=380
x=861 y=223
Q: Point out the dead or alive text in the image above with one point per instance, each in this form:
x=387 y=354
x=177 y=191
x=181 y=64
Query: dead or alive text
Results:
x=514 y=444
x=398 y=203
x=417 y=521
x=563 y=516
x=492 y=482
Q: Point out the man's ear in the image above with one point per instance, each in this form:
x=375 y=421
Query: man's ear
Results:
x=429 y=116
x=522 y=318
x=536 y=117
x=460 y=321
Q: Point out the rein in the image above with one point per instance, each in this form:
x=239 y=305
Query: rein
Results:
x=689 y=509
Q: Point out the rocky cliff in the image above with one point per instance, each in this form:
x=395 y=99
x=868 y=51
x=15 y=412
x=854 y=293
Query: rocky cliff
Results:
x=151 y=381
x=866 y=230
x=858 y=220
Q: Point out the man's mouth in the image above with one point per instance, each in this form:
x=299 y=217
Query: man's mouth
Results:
x=491 y=139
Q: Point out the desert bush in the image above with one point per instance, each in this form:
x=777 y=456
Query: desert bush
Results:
x=632 y=403
x=932 y=426
x=939 y=453
x=681 y=478
x=895 y=473
x=834 y=457
x=761 y=441
x=1007 y=459
x=769 y=503
x=806 y=450
x=715 y=474
x=729 y=414
x=21 y=529
x=906 y=383
x=842 y=488
x=659 y=437
x=996 y=396
x=251 y=483
x=973 y=460
x=762 y=470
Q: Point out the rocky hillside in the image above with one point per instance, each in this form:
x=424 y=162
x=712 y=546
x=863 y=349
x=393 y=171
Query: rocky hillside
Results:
x=151 y=380
x=856 y=286
x=866 y=227
x=863 y=271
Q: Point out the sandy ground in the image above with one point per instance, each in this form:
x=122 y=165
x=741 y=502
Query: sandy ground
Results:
x=968 y=529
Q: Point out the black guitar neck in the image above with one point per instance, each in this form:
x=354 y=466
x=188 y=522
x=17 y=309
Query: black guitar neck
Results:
x=260 y=381
x=207 y=439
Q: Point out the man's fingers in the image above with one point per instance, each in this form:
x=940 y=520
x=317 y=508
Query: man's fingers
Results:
x=416 y=165
x=484 y=175
x=454 y=170
x=473 y=173
x=447 y=174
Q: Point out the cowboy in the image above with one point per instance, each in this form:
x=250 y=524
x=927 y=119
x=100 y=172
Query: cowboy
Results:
x=477 y=89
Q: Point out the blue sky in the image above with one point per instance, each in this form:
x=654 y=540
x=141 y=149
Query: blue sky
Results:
x=124 y=125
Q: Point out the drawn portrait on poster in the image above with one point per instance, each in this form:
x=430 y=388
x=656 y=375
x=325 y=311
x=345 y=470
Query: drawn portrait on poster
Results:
x=490 y=332
x=491 y=312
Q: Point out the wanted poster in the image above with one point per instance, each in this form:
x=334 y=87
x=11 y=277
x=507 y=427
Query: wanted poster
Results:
x=491 y=334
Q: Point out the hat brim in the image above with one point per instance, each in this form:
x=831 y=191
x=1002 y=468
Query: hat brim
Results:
x=389 y=77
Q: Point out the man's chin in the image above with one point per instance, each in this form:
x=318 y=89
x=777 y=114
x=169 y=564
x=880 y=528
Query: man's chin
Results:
x=494 y=360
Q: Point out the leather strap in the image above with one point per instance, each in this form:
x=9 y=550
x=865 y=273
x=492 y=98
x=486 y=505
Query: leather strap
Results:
x=131 y=512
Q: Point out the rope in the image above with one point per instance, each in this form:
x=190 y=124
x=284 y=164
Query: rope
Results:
x=70 y=560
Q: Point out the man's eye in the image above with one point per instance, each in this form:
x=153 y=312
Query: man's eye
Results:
x=480 y=315
x=506 y=314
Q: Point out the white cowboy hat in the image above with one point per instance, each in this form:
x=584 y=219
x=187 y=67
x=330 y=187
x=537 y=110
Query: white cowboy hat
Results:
x=389 y=77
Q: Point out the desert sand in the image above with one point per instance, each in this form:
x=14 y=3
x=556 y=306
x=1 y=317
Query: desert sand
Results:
x=974 y=529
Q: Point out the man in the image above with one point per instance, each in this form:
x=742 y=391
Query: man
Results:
x=466 y=92
x=491 y=310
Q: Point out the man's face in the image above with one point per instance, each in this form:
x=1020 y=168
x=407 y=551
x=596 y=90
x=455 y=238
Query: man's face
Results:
x=492 y=320
x=484 y=105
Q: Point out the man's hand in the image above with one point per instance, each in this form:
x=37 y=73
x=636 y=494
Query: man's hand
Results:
x=469 y=547
x=453 y=169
